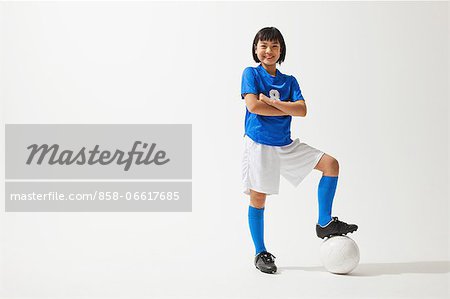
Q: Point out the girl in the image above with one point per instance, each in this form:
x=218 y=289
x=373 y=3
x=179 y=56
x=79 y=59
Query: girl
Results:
x=271 y=99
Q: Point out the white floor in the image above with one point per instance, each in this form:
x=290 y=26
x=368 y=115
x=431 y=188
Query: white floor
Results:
x=169 y=255
x=214 y=277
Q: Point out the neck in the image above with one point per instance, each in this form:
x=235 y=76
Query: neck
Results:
x=271 y=69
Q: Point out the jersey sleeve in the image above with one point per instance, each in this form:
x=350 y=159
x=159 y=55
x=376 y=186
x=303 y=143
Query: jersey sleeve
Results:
x=248 y=84
x=296 y=93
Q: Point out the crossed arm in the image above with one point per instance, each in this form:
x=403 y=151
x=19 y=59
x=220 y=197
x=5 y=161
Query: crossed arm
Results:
x=263 y=105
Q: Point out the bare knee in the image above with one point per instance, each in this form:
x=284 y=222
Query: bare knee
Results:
x=257 y=199
x=334 y=166
x=328 y=165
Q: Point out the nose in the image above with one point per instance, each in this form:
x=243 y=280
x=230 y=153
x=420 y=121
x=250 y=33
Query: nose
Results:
x=268 y=50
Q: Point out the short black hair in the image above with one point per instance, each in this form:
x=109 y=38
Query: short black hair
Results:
x=269 y=34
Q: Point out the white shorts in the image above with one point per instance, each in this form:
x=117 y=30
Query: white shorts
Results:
x=263 y=164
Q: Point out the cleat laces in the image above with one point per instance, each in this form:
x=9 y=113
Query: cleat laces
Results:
x=267 y=257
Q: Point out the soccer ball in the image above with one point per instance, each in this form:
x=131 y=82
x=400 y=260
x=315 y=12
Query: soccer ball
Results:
x=339 y=254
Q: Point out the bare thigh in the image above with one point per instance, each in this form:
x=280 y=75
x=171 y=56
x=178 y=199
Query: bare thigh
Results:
x=257 y=199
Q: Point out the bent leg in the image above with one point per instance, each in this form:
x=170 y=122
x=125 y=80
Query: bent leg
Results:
x=327 y=187
x=328 y=165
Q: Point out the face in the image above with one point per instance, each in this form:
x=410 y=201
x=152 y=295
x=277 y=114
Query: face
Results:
x=268 y=52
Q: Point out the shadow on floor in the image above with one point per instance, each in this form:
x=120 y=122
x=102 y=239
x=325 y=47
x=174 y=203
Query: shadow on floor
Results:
x=376 y=269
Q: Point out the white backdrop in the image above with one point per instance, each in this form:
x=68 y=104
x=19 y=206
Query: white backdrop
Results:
x=375 y=79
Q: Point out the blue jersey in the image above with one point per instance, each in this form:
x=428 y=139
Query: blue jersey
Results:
x=269 y=130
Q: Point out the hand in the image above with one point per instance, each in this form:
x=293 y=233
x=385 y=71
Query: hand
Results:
x=266 y=99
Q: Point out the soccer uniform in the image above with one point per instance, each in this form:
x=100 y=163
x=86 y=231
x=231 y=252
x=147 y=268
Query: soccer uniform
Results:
x=269 y=150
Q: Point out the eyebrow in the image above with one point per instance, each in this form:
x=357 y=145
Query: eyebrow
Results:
x=265 y=43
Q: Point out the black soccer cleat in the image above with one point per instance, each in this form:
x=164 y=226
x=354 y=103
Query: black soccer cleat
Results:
x=335 y=228
x=265 y=262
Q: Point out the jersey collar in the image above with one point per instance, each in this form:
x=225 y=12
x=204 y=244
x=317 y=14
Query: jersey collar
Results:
x=265 y=73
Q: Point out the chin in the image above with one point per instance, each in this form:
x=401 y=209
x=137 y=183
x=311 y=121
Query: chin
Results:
x=270 y=63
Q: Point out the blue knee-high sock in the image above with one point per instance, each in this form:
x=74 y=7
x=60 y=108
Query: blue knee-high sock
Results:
x=256 y=223
x=326 y=191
